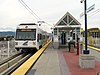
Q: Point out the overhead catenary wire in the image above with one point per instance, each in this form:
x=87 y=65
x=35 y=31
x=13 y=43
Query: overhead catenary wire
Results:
x=94 y=12
x=31 y=11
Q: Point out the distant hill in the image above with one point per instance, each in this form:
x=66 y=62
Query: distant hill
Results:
x=12 y=33
x=6 y=33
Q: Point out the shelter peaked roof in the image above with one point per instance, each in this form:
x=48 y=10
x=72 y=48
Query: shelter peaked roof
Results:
x=67 y=19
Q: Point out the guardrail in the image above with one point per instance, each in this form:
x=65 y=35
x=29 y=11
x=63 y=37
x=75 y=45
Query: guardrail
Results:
x=9 y=65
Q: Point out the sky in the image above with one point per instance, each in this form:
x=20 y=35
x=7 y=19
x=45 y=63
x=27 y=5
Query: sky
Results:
x=12 y=12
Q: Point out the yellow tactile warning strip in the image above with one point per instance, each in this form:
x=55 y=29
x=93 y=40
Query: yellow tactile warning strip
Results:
x=26 y=66
x=97 y=49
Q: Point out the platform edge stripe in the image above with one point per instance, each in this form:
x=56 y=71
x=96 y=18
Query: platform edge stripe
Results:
x=97 y=49
x=26 y=65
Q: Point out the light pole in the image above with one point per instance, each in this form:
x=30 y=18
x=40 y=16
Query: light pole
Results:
x=85 y=12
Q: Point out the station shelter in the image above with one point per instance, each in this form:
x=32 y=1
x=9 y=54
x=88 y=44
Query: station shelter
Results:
x=65 y=30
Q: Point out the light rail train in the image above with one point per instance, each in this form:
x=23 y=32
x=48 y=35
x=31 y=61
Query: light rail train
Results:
x=93 y=37
x=29 y=36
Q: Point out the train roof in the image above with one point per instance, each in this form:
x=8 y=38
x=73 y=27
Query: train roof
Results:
x=28 y=24
x=92 y=30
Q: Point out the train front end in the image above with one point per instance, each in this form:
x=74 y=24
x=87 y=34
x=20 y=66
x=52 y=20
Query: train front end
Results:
x=25 y=38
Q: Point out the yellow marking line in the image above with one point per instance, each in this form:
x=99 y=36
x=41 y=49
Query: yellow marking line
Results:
x=97 y=49
x=26 y=66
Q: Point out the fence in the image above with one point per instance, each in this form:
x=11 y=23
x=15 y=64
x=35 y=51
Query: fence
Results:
x=7 y=48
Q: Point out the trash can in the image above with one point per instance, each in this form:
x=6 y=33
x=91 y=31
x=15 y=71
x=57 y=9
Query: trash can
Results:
x=71 y=45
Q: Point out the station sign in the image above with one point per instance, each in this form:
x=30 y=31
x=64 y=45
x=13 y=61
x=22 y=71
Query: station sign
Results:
x=88 y=10
x=91 y=8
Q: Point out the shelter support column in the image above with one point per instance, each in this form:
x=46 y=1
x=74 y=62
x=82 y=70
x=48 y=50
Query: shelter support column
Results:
x=56 y=38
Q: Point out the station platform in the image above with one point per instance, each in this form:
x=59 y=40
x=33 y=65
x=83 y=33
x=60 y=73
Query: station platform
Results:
x=62 y=62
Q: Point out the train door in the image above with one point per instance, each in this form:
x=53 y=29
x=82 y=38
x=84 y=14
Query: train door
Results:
x=63 y=38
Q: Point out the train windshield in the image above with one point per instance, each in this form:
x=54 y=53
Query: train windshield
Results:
x=25 y=34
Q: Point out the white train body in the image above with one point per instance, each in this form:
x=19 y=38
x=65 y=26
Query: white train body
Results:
x=29 y=36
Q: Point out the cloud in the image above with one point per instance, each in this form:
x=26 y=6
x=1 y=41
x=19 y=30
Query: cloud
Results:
x=13 y=13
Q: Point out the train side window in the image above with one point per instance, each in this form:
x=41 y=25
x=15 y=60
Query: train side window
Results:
x=38 y=38
x=95 y=34
x=43 y=36
x=99 y=34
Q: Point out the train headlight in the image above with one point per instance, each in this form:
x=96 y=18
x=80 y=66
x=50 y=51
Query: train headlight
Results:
x=16 y=43
x=34 y=43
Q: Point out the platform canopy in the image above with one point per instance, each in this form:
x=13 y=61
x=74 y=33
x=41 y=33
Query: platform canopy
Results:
x=67 y=21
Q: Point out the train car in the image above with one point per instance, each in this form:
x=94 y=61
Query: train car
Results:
x=29 y=37
x=93 y=37
x=95 y=34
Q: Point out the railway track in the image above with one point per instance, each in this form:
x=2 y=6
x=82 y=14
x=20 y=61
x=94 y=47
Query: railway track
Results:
x=10 y=64
x=9 y=58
